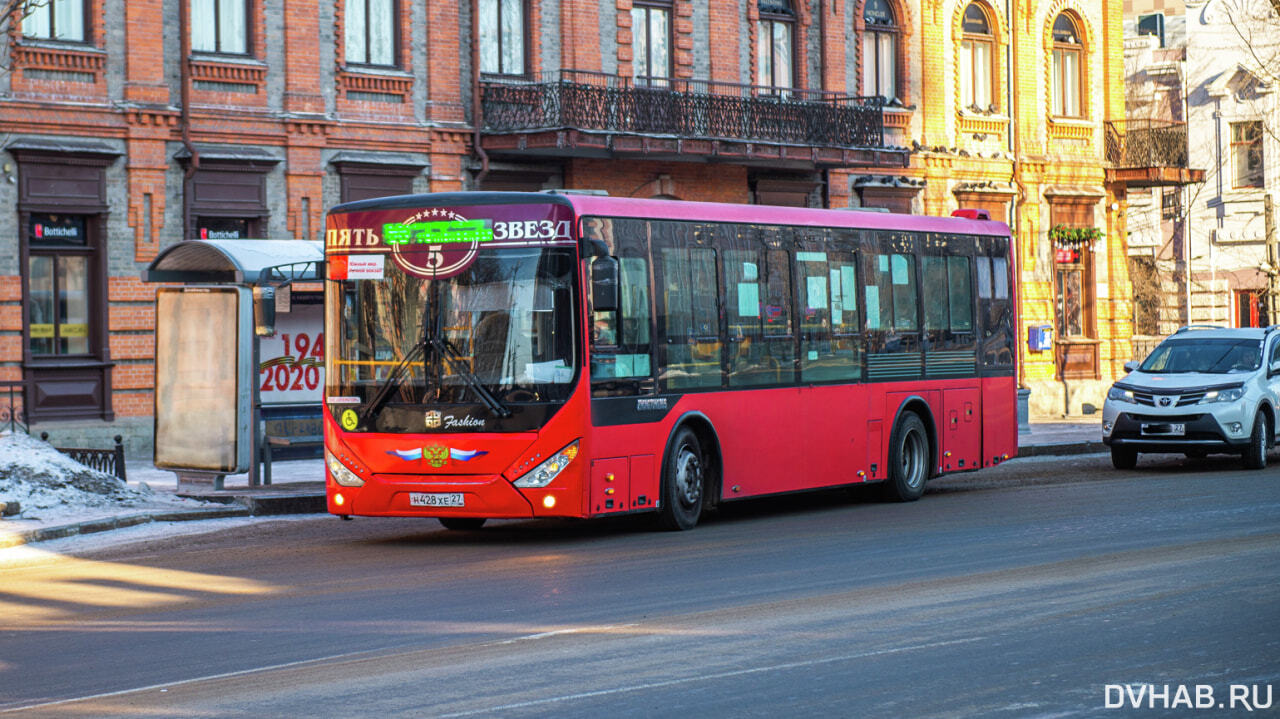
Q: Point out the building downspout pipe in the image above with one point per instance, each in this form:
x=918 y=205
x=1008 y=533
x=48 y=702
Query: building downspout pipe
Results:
x=477 y=110
x=1020 y=198
x=184 y=66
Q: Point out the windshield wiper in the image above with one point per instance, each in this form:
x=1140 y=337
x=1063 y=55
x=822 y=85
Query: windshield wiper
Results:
x=456 y=358
x=393 y=380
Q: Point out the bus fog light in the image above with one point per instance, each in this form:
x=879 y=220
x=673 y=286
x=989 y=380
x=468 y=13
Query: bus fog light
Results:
x=339 y=500
x=542 y=475
x=549 y=501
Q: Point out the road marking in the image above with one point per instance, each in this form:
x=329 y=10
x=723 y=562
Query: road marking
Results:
x=705 y=677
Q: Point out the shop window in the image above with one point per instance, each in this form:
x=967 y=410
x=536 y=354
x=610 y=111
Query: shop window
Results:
x=651 y=42
x=227 y=228
x=1068 y=52
x=880 y=50
x=502 y=37
x=58 y=300
x=775 y=33
x=369 y=26
x=977 y=53
x=56 y=20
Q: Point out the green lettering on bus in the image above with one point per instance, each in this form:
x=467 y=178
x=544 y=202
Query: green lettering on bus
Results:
x=438 y=233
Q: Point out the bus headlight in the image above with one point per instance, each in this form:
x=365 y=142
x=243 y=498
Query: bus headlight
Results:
x=340 y=473
x=542 y=475
x=1223 y=395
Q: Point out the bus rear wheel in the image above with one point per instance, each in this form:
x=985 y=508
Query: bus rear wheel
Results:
x=908 y=460
x=461 y=524
x=683 y=481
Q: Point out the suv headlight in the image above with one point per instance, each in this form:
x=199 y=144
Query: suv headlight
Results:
x=1117 y=393
x=542 y=475
x=1223 y=395
x=340 y=473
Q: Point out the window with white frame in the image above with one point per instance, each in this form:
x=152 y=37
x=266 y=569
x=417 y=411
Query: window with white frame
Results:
x=1067 y=63
x=879 y=50
x=977 y=52
x=651 y=42
x=775 y=33
x=369 y=29
x=1246 y=154
x=502 y=34
x=55 y=20
x=220 y=26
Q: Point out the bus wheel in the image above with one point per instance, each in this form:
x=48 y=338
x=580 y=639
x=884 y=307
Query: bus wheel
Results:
x=908 y=460
x=459 y=524
x=683 y=478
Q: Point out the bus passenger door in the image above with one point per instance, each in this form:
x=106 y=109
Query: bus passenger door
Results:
x=961 y=430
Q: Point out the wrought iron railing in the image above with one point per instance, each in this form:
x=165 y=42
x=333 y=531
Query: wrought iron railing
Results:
x=590 y=101
x=1147 y=143
x=110 y=461
x=12 y=405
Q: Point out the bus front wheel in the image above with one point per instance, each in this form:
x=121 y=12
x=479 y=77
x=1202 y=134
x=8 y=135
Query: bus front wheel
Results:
x=908 y=460
x=683 y=481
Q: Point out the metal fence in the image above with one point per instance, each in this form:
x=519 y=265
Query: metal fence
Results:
x=1146 y=143
x=682 y=108
x=110 y=461
x=12 y=405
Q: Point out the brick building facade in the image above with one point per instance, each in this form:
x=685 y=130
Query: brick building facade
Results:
x=123 y=136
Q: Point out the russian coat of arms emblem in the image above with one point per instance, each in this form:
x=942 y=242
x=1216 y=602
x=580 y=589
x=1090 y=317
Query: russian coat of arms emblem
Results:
x=436 y=455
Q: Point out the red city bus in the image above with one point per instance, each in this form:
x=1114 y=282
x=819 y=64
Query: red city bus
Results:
x=503 y=355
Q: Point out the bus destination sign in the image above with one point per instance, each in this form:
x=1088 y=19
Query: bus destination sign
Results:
x=439 y=242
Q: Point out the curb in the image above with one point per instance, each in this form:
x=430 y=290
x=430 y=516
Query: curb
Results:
x=16 y=538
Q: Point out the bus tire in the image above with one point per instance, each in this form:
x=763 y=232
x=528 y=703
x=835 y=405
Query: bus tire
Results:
x=683 y=482
x=908 y=460
x=461 y=524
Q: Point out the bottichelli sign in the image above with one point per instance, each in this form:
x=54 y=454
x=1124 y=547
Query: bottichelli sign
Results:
x=57 y=229
x=436 y=242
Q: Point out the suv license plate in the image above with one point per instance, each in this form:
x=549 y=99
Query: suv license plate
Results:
x=1165 y=429
x=449 y=499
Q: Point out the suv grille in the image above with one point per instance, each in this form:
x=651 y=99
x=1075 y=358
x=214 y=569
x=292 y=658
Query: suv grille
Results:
x=1151 y=399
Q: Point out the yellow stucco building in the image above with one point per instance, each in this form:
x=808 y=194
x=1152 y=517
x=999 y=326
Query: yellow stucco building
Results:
x=1012 y=106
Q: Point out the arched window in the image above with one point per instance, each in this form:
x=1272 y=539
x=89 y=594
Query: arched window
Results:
x=879 y=50
x=1067 y=53
x=774 y=44
x=977 y=51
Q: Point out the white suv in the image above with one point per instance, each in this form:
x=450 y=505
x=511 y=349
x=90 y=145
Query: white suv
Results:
x=1204 y=389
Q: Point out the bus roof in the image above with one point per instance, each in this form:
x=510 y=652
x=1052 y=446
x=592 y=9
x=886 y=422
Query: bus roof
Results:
x=692 y=211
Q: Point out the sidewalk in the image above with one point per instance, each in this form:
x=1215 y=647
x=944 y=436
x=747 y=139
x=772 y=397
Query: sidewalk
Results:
x=298 y=488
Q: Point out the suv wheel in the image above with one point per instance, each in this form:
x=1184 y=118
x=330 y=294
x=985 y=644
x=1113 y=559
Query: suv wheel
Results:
x=1123 y=457
x=1255 y=455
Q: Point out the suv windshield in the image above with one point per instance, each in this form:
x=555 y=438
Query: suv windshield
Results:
x=1211 y=356
x=499 y=332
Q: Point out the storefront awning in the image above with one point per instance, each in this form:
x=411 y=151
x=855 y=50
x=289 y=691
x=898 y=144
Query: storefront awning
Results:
x=243 y=262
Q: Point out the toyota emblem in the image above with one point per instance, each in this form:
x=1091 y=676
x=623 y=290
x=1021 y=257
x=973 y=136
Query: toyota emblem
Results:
x=1166 y=401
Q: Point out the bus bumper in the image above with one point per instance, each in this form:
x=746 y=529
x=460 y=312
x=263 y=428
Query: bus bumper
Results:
x=390 y=495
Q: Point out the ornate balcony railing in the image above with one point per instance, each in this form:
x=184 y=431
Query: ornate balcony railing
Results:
x=672 y=107
x=1150 y=152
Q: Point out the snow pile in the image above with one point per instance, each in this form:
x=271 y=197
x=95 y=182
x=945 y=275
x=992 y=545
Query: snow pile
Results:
x=39 y=477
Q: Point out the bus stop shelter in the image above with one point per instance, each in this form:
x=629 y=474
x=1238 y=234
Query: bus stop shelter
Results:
x=239 y=356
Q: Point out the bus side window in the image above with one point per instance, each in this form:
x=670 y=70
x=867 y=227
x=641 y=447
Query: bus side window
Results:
x=620 y=346
x=996 y=312
x=690 y=355
x=829 y=346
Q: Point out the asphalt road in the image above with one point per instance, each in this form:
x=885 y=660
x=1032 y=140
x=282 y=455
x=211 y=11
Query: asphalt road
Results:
x=1019 y=591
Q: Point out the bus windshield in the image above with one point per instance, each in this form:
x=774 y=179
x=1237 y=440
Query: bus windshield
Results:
x=499 y=332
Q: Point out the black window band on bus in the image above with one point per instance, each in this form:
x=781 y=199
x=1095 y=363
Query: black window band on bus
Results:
x=710 y=306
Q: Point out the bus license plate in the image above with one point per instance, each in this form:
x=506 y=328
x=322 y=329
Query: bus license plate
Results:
x=448 y=499
x=1165 y=429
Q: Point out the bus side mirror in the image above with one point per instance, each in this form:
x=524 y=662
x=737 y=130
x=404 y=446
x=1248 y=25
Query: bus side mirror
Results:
x=604 y=284
x=264 y=311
